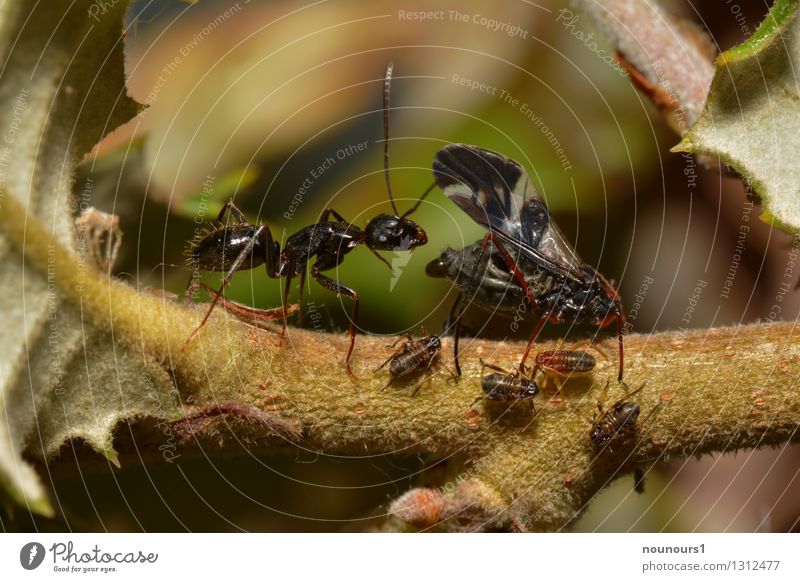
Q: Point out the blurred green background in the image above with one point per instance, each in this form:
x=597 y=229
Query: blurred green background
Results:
x=246 y=99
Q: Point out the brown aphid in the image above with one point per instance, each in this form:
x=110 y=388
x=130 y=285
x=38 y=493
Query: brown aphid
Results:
x=619 y=423
x=415 y=355
x=507 y=386
x=562 y=363
x=565 y=362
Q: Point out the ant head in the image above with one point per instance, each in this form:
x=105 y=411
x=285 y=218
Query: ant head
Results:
x=393 y=233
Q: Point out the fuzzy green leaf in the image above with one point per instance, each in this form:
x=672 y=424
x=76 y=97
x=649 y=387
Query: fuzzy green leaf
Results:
x=751 y=120
x=61 y=376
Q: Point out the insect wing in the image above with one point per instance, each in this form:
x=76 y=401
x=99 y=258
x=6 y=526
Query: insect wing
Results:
x=555 y=247
x=497 y=193
x=481 y=182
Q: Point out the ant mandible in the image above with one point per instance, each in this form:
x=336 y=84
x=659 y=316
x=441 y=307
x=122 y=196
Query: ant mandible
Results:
x=236 y=244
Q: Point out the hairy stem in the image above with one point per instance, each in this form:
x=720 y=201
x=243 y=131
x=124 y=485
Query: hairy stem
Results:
x=719 y=389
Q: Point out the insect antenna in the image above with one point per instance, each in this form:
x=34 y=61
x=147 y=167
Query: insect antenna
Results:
x=387 y=86
x=580 y=414
x=418 y=202
x=631 y=393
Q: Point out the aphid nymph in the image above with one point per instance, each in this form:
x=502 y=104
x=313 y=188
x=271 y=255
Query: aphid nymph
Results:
x=507 y=386
x=415 y=355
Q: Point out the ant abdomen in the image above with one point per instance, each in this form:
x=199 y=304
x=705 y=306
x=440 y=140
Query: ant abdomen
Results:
x=218 y=249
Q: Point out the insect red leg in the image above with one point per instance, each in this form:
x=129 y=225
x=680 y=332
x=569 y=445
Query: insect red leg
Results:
x=512 y=264
x=619 y=315
x=532 y=338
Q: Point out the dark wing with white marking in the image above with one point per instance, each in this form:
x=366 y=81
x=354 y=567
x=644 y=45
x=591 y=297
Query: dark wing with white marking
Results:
x=496 y=192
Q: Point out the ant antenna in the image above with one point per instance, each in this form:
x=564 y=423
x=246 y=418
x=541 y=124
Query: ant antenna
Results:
x=421 y=198
x=387 y=85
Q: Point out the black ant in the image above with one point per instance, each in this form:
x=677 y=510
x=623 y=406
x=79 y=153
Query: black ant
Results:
x=236 y=244
x=413 y=356
x=508 y=386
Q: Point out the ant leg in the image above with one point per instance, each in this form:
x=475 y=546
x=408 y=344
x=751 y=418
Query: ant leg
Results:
x=191 y=288
x=620 y=333
x=455 y=316
x=300 y=295
x=340 y=289
x=326 y=214
x=286 y=289
x=230 y=207
x=249 y=315
x=262 y=231
x=451 y=319
x=385 y=262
